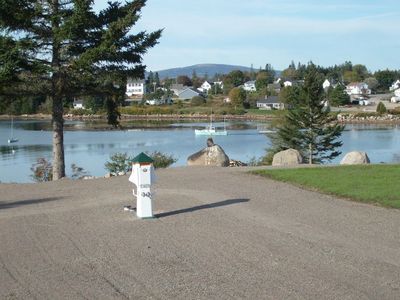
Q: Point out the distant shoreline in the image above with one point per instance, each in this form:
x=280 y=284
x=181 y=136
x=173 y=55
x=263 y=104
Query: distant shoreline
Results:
x=198 y=117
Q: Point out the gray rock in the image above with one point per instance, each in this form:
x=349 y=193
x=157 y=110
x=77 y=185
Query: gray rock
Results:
x=355 y=158
x=122 y=173
x=290 y=157
x=108 y=175
x=209 y=156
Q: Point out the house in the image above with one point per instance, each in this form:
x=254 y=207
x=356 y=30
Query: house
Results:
x=269 y=103
x=397 y=92
x=78 y=104
x=327 y=84
x=250 y=86
x=188 y=93
x=205 y=87
x=276 y=87
x=395 y=85
x=135 y=88
x=358 y=88
x=287 y=83
x=177 y=88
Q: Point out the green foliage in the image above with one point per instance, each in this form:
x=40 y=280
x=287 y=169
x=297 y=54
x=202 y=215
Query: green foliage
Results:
x=186 y=81
x=309 y=128
x=197 y=100
x=162 y=160
x=381 y=108
x=80 y=112
x=379 y=182
x=147 y=110
x=290 y=95
x=119 y=162
x=238 y=97
x=42 y=170
x=386 y=78
x=338 y=96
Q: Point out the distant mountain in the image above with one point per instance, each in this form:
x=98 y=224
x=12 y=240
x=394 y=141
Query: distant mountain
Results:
x=201 y=70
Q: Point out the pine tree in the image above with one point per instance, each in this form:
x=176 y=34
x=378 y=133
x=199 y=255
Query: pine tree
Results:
x=309 y=128
x=68 y=49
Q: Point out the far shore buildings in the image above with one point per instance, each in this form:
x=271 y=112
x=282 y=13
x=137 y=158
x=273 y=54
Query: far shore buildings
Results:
x=78 y=104
x=358 y=89
x=208 y=85
x=395 y=85
x=270 y=103
x=188 y=93
x=250 y=86
x=136 y=88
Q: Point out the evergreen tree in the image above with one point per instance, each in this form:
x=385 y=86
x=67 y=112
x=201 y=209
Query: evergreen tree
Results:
x=68 y=49
x=337 y=96
x=308 y=127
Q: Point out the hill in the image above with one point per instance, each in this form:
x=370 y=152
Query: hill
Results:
x=201 y=70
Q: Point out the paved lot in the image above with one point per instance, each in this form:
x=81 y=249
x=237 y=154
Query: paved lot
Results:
x=221 y=234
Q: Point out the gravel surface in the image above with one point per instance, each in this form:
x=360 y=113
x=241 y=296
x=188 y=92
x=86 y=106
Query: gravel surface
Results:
x=220 y=234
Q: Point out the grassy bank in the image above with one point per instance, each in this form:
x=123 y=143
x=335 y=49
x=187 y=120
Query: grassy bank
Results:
x=377 y=184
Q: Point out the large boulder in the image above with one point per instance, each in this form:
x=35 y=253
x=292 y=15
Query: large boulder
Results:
x=209 y=156
x=289 y=157
x=355 y=158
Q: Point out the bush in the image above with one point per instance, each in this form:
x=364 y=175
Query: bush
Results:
x=162 y=160
x=119 y=162
x=42 y=170
x=80 y=112
x=381 y=108
x=78 y=172
x=197 y=101
x=146 y=110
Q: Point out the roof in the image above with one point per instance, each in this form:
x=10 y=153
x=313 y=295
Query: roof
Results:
x=270 y=100
x=250 y=82
x=133 y=80
x=143 y=158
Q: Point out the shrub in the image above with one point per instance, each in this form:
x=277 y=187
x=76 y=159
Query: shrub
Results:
x=197 y=101
x=381 y=108
x=80 y=112
x=78 y=172
x=162 y=160
x=42 y=170
x=119 y=162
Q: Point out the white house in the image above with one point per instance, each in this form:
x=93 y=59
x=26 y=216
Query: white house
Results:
x=395 y=85
x=135 y=88
x=397 y=92
x=250 y=86
x=327 y=84
x=220 y=83
x=205 y=87
x=270 y=103
x=161 y=101
x=358 y=88
x=78 y=104
x=287 y=83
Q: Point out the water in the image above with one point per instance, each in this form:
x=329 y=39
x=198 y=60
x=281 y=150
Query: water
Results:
x=91 y=149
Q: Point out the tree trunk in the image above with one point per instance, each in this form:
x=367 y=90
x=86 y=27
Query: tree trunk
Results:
x=58 y=138
x=57 y=99
x=310 y=158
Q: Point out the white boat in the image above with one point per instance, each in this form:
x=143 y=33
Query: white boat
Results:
x=211 y=130
x=12 y=140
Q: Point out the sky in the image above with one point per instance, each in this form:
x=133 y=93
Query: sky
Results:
x=256 y=32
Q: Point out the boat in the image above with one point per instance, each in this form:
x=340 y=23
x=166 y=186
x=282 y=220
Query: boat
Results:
x=211 y=130
x=12 y=140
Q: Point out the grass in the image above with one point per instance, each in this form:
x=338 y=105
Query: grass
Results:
x=376 y=184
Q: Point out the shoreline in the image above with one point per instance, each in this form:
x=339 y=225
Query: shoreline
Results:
x=351 y=119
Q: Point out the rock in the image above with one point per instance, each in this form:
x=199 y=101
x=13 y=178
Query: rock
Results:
x=355 y=158
x=108 y=175
x=209 y=156
x=290 y=157
x=122 y=173
x=88 y=177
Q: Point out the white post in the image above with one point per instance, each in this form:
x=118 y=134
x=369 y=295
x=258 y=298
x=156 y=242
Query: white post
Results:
x=143 y=177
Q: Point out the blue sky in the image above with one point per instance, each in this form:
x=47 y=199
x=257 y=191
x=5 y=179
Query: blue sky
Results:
x=273 y=31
